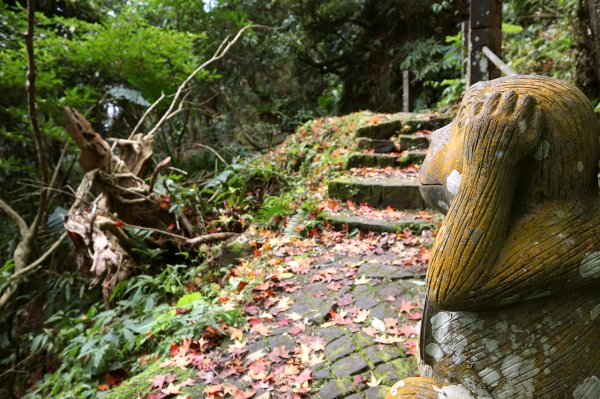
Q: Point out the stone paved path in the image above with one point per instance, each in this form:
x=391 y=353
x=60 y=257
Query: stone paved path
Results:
x=354 y=353
x=342 y=315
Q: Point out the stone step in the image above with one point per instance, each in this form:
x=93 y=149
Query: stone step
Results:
x=413 y=142
x=373 y=160
x=402 y=123
x=378 y=146
x=380 y=190
x=396 y=221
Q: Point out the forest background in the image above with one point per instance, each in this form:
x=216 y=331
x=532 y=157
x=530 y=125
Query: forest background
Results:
x=112 y=59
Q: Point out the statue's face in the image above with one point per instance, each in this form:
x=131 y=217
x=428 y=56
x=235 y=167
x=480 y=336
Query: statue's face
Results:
x=442 y=169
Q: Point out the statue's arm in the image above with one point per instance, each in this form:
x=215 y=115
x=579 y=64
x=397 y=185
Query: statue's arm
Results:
x=499 y=131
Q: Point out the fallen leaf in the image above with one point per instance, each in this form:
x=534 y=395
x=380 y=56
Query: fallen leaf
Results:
x=261 y=329
x=390 y=322
x=294 y=316
x=406 y=306
x=298 y=328
x=303 y=376
x=237 y=348
x=362 y=280
x=415 y=316
x=408 y=330
x=284 y=304
x=374 y=382
x=235 y=333
x=174 y=350
x=259 y=354
x=316 y=359
x=334 y=286
x=305 y=354
x=212 y=389
x=171 y=389
x=378 y=324
x=158 y=381
x=388 y=339
x=187 y=383
x=361 y=316
x=278 y=353
x=370 y=331
x=314 y=342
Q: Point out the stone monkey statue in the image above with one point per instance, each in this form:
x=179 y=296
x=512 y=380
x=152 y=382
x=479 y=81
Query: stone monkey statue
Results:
x=513 y=302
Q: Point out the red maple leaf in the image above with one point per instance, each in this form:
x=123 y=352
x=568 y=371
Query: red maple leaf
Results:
x=174 y=350
x=406 y=306
x=303 y=377
x=415 y=316
x=334 y=286
x=298 y=328
x=408 y=330
x=411 y=346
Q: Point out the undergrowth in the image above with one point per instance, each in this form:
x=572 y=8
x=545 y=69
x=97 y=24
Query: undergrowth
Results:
x=97 y=348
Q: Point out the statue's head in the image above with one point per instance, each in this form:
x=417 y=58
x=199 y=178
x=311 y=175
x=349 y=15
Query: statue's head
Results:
x=564 y=164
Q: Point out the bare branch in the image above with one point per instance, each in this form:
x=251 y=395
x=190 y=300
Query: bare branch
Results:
x=61 y=158
x=139 y=124
x=21 y=273
x=157 y=170
x=221 y=51
x=159 y=231
x=213 y=151
x=14 y=215
x=208 y=238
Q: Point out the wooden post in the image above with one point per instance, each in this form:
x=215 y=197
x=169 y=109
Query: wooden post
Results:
x=485 y=23
x=464 y=46
x=405 y=91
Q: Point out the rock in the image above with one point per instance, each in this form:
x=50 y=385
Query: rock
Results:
x=234 y=251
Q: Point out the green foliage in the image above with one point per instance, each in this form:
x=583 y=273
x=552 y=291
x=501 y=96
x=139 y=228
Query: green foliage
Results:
x=142 y=321
x=542 y=45
x=274 y=209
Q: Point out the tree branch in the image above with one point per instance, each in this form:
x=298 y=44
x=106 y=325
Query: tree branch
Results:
x=37 y=133
x=21 y=273
x=14 y=215
x=207 y=238
x=220 y=53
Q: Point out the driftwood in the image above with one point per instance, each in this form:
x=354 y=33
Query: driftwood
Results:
x=95 y=227
x=126 y=200
x=120 y=177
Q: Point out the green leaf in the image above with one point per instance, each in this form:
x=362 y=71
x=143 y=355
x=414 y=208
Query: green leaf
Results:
x=188 y=299
x=511 y=28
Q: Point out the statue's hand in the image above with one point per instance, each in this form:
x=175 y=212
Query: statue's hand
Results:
x=500 y=129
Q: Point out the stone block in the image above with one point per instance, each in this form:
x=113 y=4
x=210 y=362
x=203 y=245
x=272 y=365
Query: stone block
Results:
x=339 y=348
x=349 y=365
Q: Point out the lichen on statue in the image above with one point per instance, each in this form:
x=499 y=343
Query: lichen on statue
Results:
x=513 y=302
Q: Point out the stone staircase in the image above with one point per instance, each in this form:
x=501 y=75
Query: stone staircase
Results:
x=382 y=176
